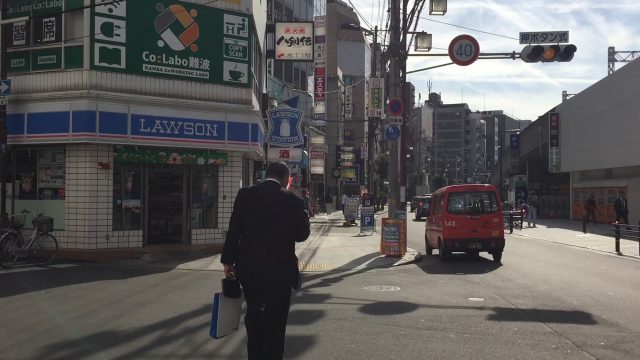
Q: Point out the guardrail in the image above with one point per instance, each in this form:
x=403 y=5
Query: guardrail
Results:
x=630 y=232
x=514 y=218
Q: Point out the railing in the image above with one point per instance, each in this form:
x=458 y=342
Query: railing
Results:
x=630 y=232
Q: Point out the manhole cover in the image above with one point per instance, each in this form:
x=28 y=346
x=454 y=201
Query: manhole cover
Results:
x=381 y=288
x=475 y=299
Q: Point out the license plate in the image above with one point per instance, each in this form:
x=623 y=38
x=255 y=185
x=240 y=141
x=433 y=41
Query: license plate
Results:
x=474 y=246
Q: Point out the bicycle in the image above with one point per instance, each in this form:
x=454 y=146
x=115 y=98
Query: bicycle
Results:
x=41 y=244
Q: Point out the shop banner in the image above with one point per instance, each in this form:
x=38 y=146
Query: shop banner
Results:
x=294 y=41
x=172 y=39
x=393 y=241
x=173 y=156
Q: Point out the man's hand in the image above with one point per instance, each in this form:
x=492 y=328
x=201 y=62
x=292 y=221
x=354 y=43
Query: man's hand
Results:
x=229 y=270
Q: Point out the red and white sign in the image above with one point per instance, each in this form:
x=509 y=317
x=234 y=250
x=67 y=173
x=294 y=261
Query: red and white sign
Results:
x=464 y=50
x=284 y=154
x=294 y=41
x=317 y=155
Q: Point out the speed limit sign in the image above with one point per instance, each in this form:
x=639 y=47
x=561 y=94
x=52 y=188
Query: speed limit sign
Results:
x=464 y=50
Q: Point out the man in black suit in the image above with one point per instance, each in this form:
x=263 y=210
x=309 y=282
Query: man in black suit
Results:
x=622 y=209
x=266 y=222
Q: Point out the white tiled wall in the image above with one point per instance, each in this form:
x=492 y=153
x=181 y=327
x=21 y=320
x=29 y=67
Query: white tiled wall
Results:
x=89 y=203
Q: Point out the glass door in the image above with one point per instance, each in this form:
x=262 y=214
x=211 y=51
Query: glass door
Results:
x=166 y=196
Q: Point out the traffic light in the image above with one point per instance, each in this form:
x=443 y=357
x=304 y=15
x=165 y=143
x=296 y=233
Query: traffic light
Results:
x=548 y=53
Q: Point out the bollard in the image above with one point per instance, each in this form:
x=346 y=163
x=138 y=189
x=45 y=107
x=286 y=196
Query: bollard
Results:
x=522 y=219
x=617 y=238
x=584 y=222
x=510 y=223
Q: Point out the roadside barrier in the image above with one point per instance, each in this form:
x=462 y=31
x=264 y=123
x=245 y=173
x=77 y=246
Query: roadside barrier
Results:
x=630 y=232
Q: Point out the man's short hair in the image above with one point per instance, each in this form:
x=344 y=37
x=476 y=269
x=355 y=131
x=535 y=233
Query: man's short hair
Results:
x=277 y=170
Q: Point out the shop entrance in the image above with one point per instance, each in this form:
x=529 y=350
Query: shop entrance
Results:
x=167 y=204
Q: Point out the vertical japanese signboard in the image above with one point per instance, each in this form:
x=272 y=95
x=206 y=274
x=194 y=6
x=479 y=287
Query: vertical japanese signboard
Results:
x=319 y=71
x=376 y=97
x=294 y=41
x=554 y=142
x=514 y=146
x=348 y=102
x=172 y=39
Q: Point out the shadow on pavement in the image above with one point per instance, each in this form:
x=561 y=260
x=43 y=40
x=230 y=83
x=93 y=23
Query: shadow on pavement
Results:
x=26 y=279
x=383 y=308
x=461 y=264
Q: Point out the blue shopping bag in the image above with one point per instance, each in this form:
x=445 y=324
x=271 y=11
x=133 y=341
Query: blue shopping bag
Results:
x=225 y=315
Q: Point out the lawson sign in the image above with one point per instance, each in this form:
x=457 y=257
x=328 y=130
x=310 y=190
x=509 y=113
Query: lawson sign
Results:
x=180 y=128
x=284 y=127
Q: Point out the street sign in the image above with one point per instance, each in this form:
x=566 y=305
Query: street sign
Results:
x=376 y=97
x=5 y=87
x=392 y=132
x=464 y=50
x=395 y=107
x=395 y=120
x=544 y=37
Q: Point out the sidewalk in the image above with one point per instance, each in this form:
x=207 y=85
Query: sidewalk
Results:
x=330 y=246
x=599 y=237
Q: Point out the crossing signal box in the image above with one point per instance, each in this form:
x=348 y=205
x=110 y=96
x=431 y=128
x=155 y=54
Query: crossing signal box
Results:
x=548 y=53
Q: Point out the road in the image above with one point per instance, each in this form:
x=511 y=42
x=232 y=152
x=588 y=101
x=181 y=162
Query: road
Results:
x=545 y=301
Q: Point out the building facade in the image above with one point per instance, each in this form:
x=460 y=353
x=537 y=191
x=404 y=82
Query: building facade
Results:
x=129 y=126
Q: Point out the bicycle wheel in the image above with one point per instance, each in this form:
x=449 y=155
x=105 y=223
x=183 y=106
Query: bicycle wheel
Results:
x=8 y=256
x=44 y=249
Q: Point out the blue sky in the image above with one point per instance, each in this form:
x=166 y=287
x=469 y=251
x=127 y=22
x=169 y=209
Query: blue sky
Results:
x=524 y=90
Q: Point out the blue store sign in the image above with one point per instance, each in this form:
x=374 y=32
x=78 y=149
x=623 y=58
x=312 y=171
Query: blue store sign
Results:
x=284 y=127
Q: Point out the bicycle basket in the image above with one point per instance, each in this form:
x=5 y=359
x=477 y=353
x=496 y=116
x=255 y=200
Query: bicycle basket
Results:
x=43 y=224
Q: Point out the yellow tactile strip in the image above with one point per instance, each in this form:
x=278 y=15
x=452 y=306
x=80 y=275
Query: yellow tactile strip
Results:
x=303 y=266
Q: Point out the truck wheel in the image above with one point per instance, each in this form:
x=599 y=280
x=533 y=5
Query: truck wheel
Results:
x=497 y=256
x=444 y=254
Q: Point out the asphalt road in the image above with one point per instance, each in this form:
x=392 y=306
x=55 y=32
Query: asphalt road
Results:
x=545 y=301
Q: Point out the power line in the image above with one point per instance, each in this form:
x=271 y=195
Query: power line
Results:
x=468 y=28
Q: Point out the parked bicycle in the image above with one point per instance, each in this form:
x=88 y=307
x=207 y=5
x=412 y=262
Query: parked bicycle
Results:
x=41 y=248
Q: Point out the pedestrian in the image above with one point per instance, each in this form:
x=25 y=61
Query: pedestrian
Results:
x=532 y=209
x=266 y=222
x=590 y=208
x=621 y=207
x=328 y=200
x=307 y=203
x=343 y=202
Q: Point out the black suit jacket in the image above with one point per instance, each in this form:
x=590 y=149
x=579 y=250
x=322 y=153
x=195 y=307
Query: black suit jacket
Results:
x=265 y=224
x=620 y=210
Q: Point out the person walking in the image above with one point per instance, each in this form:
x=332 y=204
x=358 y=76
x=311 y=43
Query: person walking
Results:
x=532 y=209
x=590 y=207
x=308 y=206
x=328 y=200
x=343 y=202
x=621 y=207
x=266 y=222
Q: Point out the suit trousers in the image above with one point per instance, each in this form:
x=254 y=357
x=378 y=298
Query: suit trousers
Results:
x=266 y=318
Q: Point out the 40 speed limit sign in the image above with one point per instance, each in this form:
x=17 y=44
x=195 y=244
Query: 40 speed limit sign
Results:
x=464 y=50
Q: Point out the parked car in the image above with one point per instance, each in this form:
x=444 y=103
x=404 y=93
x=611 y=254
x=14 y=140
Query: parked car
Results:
x=465 y=218
x=424 y=201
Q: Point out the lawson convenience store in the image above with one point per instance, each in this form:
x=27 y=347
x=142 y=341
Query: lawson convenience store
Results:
x=118 y=175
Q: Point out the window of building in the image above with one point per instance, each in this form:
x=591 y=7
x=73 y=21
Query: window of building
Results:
x=204 y=197
x=127 y=196
x=39 y=183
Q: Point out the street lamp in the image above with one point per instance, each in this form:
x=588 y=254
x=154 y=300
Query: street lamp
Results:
x=437 y=7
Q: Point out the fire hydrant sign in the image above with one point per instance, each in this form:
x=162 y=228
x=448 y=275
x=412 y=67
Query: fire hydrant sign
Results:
x=394 y=237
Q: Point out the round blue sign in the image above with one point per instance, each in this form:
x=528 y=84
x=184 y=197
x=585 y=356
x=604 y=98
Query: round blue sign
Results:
x=392 y=132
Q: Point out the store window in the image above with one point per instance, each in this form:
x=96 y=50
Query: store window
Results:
x=39 y=182
x=127 y=196
x=204 y=197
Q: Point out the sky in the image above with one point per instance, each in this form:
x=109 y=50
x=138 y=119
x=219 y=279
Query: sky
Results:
x=523 y=90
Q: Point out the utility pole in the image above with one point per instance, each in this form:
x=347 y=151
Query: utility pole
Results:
x=373 y=122
x=3 y=114
x=396 y=50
